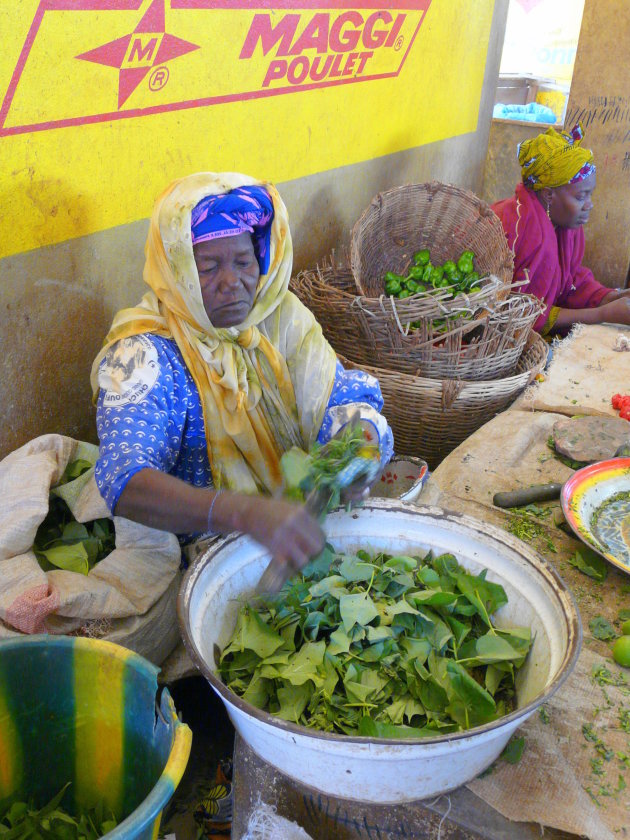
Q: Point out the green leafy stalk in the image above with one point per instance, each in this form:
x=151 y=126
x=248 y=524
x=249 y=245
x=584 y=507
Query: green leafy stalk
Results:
x=379 y=645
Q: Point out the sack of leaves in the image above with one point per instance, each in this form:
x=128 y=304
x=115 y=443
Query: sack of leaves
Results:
x=67 y=566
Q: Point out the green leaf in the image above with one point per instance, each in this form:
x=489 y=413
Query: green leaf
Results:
x=252 y=633
x=485 y=596
x=469 y=703
x=70 y=558
x=590 y=563
x=293 y=700
x=339 y=642
x=356 y=609
x=601 y=628
x=375 y=729
x=295 y=465
x=74 y=531
x=514 y=750
x=303 y=665
x=354 y=569
x=402 y=562
x=74 y=470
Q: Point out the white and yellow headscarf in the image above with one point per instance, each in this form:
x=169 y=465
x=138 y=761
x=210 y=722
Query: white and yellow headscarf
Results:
x=264 y=384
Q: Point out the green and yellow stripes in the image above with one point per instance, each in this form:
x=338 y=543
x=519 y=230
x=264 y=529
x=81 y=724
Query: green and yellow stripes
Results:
x=99 y=725
x=11 y=754
x=83 y=711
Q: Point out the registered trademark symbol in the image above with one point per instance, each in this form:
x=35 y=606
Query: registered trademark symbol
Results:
x=399 y=42
x=158 y=78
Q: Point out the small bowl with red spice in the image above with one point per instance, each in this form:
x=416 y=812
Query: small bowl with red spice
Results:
x=403 y=478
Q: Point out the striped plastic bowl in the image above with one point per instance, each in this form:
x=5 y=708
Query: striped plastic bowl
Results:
x=84 y=711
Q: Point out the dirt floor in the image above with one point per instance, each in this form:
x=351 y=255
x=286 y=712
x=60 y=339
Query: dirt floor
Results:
x=212 y=741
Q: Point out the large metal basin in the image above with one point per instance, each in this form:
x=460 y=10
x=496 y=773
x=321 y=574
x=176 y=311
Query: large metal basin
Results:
x=380 y=770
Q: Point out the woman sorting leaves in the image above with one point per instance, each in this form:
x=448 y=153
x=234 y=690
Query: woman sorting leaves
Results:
x=218 y=371
x=544 y=223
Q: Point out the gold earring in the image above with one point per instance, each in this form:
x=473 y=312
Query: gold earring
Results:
x=548 y=213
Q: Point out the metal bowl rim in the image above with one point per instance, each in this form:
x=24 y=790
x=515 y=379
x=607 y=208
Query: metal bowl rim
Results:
x=570 y=611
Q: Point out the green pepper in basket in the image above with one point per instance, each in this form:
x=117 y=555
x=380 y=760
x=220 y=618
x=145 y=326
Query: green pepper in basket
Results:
x=449 y=267
x=426 y=275
x=413 y=286
x=416 y=272
x=404 y=294
x=422 y=257
x=465 y=262
x=471 y=279
x=438 y=271
x=393 y=283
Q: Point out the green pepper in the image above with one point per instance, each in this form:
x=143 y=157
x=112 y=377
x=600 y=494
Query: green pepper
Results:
x=416 y=272
x=412 y=286
x=465 y=262
x=471 y=279
x=426 y=274
x=449 y=267
x=438 y=271
x=474 y=289
x=393 y=283
x=392 y=287
x=422 y=257
x=404 y=294
x=421 y=287
x=437 y=280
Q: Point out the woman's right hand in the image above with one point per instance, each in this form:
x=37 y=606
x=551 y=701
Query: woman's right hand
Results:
x=615 y=312
x=287 y=529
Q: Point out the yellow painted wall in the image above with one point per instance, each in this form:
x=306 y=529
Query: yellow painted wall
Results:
x=86 y=147
x=77 y=160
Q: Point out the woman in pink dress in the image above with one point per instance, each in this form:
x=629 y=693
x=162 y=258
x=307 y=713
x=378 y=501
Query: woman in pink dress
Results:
x=543 y=223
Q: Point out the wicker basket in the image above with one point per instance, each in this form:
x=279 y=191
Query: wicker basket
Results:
x=443 y=218
x=487 y=347
x=430 y=417
x=376 y=332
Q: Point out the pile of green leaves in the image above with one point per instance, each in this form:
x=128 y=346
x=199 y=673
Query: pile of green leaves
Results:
x=382 y=646
x=21 y=820
x=63 y=543
x=319 y=469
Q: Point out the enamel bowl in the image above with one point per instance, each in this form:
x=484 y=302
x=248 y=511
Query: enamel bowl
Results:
x=373 y=769
x=596 y=504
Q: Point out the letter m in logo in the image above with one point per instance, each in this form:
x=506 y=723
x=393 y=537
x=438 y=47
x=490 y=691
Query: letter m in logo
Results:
x=142 y=50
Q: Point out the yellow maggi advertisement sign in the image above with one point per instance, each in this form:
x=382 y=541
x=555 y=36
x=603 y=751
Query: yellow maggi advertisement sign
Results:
x=104 y=101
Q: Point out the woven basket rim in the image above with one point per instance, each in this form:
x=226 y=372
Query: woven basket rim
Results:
x=432 y=187
x=437 y=382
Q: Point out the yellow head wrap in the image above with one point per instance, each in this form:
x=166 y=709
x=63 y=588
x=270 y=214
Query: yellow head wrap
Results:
x=554 y=158
x=264 y=385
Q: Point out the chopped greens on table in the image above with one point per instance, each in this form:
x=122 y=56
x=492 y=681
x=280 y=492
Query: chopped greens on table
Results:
x=378 y=645
x=63 y=543
x=20 y=820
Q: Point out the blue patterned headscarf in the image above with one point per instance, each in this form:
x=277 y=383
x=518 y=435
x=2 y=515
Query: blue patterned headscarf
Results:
x=242 y=210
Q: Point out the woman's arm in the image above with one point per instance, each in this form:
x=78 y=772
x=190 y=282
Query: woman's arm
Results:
x=616 y=311
x=162 y=501
x=615 y=294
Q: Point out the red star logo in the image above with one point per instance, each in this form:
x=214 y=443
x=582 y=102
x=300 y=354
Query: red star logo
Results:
x=134 y=55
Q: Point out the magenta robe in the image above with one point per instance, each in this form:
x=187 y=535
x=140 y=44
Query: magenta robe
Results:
x=553 y=256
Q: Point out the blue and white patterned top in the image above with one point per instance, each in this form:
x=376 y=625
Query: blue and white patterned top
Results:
x=149 y=414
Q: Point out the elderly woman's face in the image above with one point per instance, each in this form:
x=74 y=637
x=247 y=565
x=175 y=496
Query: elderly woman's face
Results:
x=228 y=274
x=570 y=206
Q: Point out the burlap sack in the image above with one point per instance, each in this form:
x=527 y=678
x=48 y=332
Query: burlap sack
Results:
x=128 y=597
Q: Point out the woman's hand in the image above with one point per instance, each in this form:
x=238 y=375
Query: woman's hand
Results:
x=615 y=312
x=286 y=529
